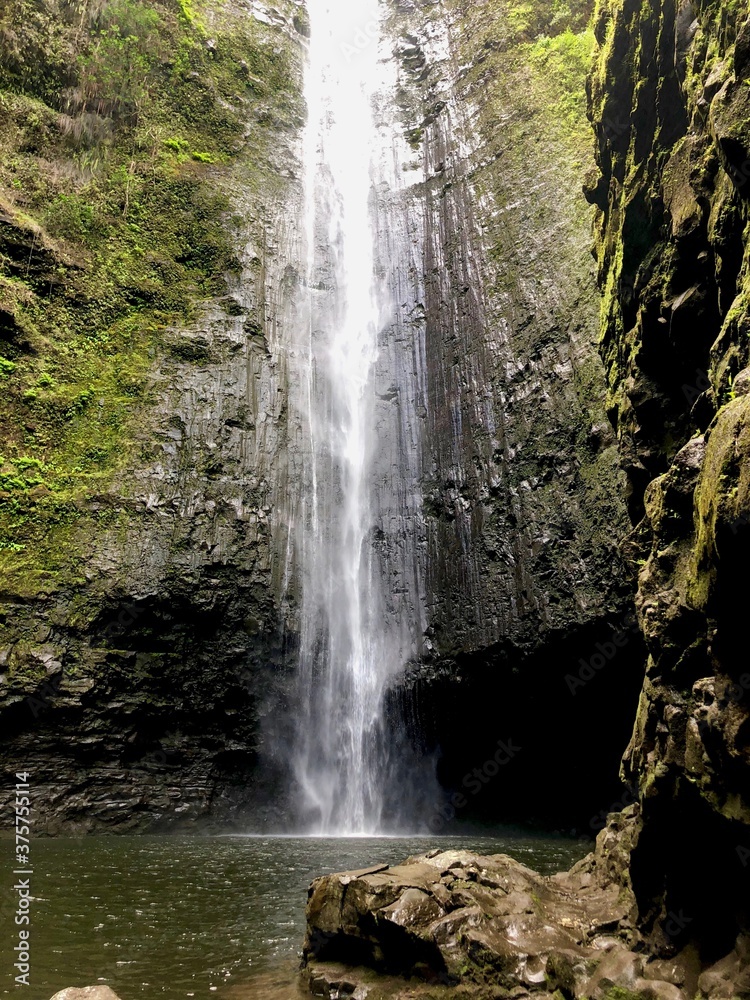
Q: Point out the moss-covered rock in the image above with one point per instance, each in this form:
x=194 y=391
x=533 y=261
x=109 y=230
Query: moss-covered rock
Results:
x=123 y=123
x=669 y=104
x=147 y=150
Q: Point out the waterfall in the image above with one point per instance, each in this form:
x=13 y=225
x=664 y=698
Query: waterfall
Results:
x=356 y=632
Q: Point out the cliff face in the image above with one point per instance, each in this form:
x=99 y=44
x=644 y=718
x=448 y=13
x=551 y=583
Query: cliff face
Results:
x=522 y=494
x=520 y=472
x=151 y=247
x=670 y=103
x=148 y=228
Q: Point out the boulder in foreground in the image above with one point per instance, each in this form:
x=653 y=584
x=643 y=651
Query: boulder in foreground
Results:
x=86 y=993
x=488 y=927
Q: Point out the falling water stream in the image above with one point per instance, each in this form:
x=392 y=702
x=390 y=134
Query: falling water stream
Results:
x=347 y=650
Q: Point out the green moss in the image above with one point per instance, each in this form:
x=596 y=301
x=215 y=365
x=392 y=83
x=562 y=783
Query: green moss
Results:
x=188 y=12
x=564 y=61
x=24 y=669
x=119 y=233
x=619 y=993
x=544 y=52
x=722 y=498
x=533 y=18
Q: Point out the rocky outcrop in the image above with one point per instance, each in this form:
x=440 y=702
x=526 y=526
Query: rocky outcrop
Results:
x=669 y=103
x=490 y=927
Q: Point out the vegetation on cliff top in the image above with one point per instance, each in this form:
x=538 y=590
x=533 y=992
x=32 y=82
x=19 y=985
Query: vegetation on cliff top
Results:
x=119 y=122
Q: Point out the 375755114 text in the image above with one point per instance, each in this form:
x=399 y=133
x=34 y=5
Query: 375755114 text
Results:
x=22 y=885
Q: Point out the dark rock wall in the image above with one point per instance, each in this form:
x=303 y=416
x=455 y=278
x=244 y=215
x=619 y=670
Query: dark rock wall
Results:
x=142 y=634
x=522 y=493
x=670 y=104
x=155 y=652
x=521 y=486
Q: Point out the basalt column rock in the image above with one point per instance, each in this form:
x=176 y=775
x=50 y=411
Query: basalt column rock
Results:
x=486 y=243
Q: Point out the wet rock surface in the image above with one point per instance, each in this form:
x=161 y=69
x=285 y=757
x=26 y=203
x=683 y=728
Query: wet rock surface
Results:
x=133 y=685
x=490 y=927
x=669 y=105
x=499 y=382
x=519 y=471
x=86 y=993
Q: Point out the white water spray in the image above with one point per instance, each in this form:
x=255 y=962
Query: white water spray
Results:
x=347 y=654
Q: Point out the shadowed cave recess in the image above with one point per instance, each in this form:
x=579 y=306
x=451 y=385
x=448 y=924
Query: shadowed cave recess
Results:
x=556 y=469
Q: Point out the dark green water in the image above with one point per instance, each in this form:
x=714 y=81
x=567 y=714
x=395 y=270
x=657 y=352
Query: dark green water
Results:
x=208 y=918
